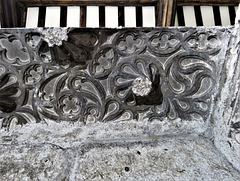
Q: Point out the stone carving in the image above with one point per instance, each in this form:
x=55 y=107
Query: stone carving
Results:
x=12 y=50
x=54 y=36
x=78 y=74
x=8 y=93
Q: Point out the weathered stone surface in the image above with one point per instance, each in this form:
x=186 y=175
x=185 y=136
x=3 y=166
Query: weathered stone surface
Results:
x=169 y=158
x=33 y=162
x=227 y=108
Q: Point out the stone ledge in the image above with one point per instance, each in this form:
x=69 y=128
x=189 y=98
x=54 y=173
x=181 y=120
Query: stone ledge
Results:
x=169 y=159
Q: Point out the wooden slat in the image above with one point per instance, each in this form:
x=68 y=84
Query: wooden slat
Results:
x=1 y=14
x=101 y=16
x=52 y=17
x=63 y=16
x=32 y=17
x=121 y=16
x=148 y=16
x=88 y=2
x=232 y=14
x=41 y=16
x=207 y=15
x=236 y=8
x=92 y=16
x=83 y=16
x=217 y=16
x=73 y=16
x=180 y=16
x=176 y=20
x=139 y=16
x=198 y=15
x=224 y=14
x=189 y=16
x=111 y=18
x=130 y=16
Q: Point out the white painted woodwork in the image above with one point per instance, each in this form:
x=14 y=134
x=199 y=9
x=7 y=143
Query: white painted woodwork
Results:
x=207 y=15
x=92 y=19
x=52 y=17
x=32 y=17
x=189 y=16
x=176 y=20
x=236 y=8
x=224 y=14
x=130 y=16
x=111 y=16
x=148 y=14
x=73 y=16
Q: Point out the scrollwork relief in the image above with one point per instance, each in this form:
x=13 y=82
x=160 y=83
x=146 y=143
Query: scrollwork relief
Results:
x=98 y=75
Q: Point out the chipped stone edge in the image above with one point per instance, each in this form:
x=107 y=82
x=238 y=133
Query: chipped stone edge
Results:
x=223 y=112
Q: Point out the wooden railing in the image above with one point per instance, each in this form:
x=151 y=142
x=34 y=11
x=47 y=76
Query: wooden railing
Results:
x=14 y=12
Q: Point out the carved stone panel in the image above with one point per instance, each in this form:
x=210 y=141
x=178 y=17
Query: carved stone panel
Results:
x=102 y=75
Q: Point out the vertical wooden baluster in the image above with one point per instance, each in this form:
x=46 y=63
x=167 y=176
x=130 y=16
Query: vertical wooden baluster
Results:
x=180 y=16
x=139 y=16
x=176 y=20
x=121 y=18
x=217 y=16
x=232 y=14
x=63 y=16
x=41 y=16
x=101 y=16
x=83 y=15
x=198 y=15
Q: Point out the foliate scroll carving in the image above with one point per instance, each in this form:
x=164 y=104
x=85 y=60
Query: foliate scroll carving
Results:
x=98 y=75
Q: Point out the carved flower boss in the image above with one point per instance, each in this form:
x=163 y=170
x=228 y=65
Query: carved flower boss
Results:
x=137 y=82
x=68 y=49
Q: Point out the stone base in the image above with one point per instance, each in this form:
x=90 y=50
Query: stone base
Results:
x=168 y=158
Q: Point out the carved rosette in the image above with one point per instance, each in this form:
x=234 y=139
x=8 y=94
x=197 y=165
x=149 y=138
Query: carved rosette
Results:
x=98 y=75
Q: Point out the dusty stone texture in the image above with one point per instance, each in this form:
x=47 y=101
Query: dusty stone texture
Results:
x=185 y=157
x=169 y=159
x=33 y=162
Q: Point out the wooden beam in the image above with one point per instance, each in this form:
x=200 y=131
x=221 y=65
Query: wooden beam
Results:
x=208 y=2
x=38 y=3
x=166 y=10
